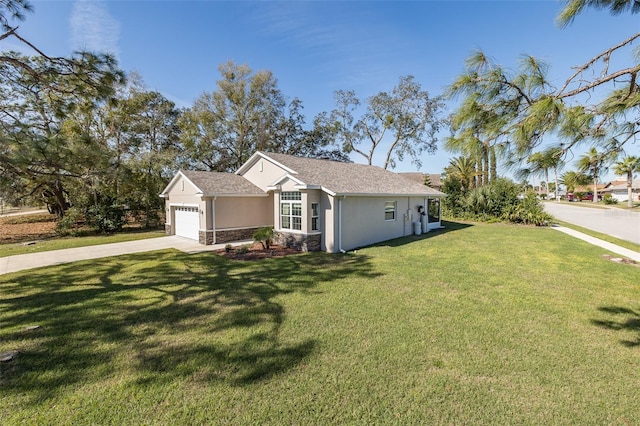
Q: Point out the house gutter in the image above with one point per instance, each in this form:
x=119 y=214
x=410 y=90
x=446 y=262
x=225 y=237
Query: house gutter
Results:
x=213 y=218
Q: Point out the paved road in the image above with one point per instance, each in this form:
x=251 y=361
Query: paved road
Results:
x=616 y=222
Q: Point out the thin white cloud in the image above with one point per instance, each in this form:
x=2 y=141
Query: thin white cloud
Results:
x=352 y=45
x=93 y=28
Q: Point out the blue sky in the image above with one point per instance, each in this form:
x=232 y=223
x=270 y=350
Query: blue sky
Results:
x=316 y=47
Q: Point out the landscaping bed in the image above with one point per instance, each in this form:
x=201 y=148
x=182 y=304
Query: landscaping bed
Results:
x=256 y=252
x=21 y=228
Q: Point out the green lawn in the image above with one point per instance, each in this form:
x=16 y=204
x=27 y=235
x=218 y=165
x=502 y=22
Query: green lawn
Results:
x=482 y=324
x=73 y=242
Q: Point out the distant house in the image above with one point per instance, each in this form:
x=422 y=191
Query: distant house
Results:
x=312 y=204
x=589 y=188
x=618 y=189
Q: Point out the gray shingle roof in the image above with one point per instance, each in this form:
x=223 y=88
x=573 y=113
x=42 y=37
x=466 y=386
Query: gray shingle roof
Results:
x=215 y=183
x=350 y=178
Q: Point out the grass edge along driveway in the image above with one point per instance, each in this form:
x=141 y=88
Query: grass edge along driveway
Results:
x=480 y=324
x=40 y=246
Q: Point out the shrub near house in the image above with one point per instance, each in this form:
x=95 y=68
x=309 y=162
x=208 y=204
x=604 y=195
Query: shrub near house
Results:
x=498 y=200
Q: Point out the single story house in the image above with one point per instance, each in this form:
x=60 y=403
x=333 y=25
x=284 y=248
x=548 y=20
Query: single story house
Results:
x=618 y=190
x=312 y=204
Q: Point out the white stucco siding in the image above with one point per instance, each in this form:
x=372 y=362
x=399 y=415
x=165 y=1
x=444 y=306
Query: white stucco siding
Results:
x=363 y=221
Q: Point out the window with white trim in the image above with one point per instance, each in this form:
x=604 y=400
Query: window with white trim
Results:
x=291 y=210
x=390 y=208
x=314 y=216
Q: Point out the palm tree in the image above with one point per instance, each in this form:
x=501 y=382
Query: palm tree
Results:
x=540 y=163
x=594 y=163
x=463 y=168
x=475 y=137
x=628 y=166
x=572 y=179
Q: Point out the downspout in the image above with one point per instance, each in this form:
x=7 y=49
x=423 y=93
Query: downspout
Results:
x=340 y=224
x=213 y=218
x=408 y=216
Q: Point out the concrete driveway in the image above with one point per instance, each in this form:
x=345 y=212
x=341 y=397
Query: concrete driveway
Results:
x=55 y=257
x=623 y=224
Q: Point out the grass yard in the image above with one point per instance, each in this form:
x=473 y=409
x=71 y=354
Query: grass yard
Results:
x=36 y=233
x=481 y=324
x=73 y=242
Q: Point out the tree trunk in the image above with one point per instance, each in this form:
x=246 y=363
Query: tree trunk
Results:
x=61 y=202
x=595 y=189
x=546 y=182
x=557 y=191
x=630 y=189
x=485 y=160
x=494 y=165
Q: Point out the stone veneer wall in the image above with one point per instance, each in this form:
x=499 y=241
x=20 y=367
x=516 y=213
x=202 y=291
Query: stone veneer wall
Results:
x=205 y=237
x=302 y=242
x=167 y=229
x=229 y=235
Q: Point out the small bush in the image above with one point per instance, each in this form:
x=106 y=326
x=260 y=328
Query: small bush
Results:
x=68 y=225
x=228 y=248
x=528 y=211
x=106 y=217
x=608 y=199
x=264 y=236
x=242 y=249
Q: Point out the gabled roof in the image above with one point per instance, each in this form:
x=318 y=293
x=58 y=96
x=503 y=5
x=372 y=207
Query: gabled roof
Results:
x=216 y=184
x=339 y=178
x=618 y=185
x=616 y=182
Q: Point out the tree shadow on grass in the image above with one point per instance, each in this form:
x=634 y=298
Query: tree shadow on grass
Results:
x=157 y=317
x=622 y=319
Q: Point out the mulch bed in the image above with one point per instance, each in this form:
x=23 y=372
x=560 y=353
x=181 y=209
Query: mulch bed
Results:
x=15 y=229
x=257 y=252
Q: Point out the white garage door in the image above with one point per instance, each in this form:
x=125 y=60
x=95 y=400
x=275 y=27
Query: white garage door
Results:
x=187 y=224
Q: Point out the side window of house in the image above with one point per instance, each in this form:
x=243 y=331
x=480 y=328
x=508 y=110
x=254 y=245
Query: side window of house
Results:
x=314 y=216
x=291 y=210
x=390 y=210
